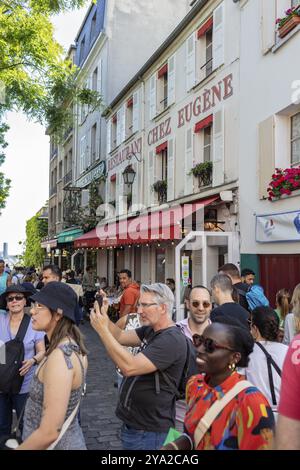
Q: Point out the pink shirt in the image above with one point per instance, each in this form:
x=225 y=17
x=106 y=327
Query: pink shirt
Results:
x=289 y=405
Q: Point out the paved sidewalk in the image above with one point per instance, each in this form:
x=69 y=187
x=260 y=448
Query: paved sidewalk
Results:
x=99 y=422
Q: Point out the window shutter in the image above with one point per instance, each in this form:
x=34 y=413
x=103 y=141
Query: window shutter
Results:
x=118 y=193
x=119 y=124
x=82 y=154
x=190 y=61
x=136 y=112
x=218 y=36
x=135 y=186
x=108 y=137
x=107 y=191
x=188 y=163
x=218 y=148
x=171 y=80
x=151 y=164
x=171 y=170
x=99 y=77
x=266 y=162
x=153 y=96
x=123 y=123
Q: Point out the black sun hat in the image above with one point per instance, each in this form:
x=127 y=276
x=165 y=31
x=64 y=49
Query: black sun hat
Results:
x=16 y=289
x=59 y=297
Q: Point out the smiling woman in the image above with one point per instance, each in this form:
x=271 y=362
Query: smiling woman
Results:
x=243 y=419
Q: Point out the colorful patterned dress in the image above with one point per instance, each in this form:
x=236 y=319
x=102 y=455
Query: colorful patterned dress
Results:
x=246 y=423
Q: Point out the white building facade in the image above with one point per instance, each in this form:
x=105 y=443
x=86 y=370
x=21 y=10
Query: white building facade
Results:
x=178 y=113
x=269 y=138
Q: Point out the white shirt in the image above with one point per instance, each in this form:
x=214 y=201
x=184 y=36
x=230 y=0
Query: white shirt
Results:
x=257 y=370
x=289 y=328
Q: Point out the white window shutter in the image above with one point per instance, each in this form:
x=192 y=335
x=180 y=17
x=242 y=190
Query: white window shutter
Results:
x=268 y=26
x=108 y=137
x=136 y=112
x=123 y=123
x=171 y=80
x=118 y=192
x=190 y=61
x=107 y=190
x=188 y=163
x=218 y=148
x=153 y=96
x=99 y=77
x=82 y=154
x=218 y=36
x=151 y=179
x=135 y=187
x=119 y=116
x=171 y=170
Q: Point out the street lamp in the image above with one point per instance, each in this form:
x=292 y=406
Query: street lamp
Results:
x=129 y=175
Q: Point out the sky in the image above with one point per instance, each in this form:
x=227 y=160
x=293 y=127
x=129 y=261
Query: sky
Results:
x=27 y=156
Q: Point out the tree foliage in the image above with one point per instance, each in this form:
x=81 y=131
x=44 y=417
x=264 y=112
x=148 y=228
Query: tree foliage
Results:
x=36 y=230
x=36 y=77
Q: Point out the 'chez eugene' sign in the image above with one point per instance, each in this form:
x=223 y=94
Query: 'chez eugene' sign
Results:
x=201 y=105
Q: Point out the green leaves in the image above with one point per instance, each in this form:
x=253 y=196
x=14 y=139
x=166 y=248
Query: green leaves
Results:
x=36 y=230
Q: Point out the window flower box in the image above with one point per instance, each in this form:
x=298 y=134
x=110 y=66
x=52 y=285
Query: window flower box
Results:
x=289 y=22
x=160 y=187
x=202 y=171
x=284 y=182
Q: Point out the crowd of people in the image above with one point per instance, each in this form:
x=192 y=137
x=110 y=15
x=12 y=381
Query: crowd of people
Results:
x=226 y=377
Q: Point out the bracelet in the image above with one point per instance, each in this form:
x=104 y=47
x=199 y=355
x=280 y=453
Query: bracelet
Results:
x=189 y=439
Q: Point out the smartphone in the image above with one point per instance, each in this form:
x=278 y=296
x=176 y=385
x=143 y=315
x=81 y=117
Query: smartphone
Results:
x=99 y=299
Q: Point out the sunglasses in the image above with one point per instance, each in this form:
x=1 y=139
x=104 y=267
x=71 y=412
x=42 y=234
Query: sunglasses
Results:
x=11 y=298
x=209 y=344
x=196 y=304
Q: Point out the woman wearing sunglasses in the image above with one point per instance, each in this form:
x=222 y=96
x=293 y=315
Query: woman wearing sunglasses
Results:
x=14 y=299
x=246 y=422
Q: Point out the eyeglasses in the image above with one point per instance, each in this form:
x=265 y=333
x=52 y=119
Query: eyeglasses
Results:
x=196 y=304
x=143 y=305
x=11 y=298
x=209 y=344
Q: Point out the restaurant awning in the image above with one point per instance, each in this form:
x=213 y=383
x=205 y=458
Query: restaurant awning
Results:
x=161 y=225
x=47 y=244
x=68 y=236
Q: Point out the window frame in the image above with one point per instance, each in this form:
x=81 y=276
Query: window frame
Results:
x=292 y=140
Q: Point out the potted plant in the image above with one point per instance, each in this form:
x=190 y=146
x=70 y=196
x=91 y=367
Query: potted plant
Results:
x=160 y=187
x=284 y=182
x=203 y=171
x=288 y=22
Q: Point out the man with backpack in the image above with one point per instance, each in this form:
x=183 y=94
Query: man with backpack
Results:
x=155 y=376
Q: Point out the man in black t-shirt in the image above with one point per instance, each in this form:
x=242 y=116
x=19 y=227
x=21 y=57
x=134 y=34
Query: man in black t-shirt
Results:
x=146 y=403
x=241 y=288
x=222 y=288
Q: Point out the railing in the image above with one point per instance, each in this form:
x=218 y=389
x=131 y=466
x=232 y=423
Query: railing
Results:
x=68 y=177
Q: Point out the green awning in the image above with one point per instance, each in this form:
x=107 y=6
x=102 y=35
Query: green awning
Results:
x=68 y=236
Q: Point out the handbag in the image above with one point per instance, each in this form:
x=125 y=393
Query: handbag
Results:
x=209 y=417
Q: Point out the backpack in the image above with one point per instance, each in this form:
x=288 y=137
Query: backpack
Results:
x=255 y=297
x=10 y=378
x=189 y=369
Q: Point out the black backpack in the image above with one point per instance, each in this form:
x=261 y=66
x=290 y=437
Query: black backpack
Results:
x=10 y=378
x=190 y=369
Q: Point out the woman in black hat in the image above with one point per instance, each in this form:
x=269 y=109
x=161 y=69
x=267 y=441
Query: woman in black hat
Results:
x=14 y=301
x=59 y=381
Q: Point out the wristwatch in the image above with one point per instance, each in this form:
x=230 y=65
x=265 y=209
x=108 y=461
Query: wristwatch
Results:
x=35 y=360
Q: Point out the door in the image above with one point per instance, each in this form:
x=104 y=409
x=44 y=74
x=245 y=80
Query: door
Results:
x=278 y=272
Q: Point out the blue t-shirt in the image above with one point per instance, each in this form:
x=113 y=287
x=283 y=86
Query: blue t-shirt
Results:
x=31 y=339
x=3 y=282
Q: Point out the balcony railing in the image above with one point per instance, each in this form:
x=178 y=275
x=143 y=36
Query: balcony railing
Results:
x=67 y=178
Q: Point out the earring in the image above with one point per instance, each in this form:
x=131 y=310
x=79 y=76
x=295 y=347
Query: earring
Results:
x=232 y=366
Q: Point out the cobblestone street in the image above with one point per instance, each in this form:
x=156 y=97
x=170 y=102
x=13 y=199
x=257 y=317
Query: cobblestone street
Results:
x=99 y=423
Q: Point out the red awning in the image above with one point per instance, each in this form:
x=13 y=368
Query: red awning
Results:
x=162 y=71
x=205 y=27
x=157 y=226
x=161 y=147
x=88 y=240
x=204 y=123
